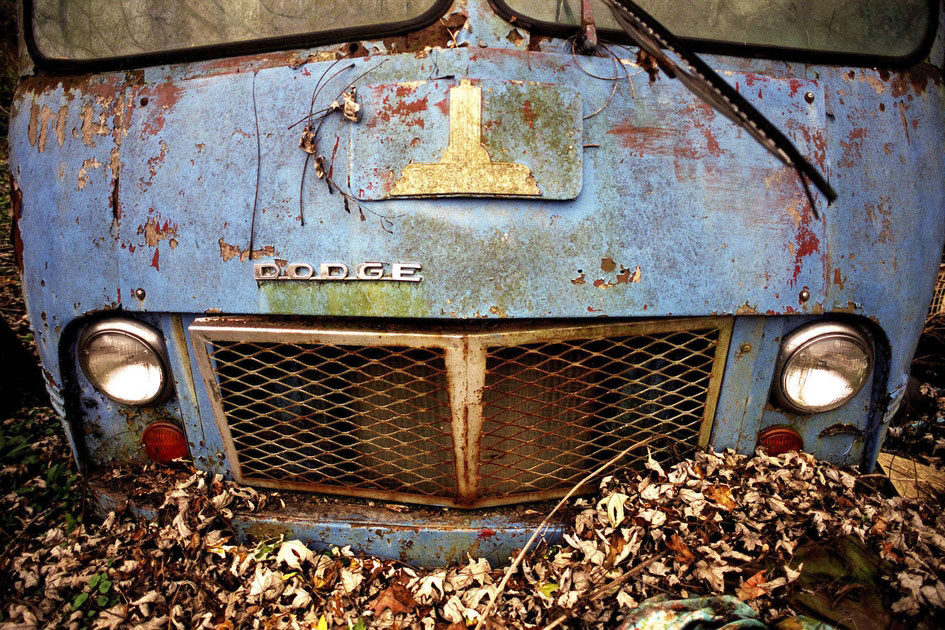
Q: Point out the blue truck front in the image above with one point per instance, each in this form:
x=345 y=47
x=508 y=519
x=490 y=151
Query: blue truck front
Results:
x=450 y=261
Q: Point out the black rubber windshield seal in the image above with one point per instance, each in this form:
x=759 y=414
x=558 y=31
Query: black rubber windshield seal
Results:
x=714 y=47
x=233 y=49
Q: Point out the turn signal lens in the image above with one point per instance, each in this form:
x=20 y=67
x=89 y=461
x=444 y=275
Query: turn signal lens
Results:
x=164 y=442
x=777 y=440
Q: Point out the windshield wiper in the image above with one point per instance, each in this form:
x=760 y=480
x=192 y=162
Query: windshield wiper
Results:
x=654 y=39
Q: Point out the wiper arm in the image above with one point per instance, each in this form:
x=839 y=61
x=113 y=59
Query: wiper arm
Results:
x=654 y=39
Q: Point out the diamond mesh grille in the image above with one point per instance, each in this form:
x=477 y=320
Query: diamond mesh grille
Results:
x=554 y=411
x=374 y=413
x=368 y=417
x=938 y=296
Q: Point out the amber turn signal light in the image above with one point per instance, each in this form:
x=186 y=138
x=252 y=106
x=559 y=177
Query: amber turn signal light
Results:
x=777 y=440
x=164 y=442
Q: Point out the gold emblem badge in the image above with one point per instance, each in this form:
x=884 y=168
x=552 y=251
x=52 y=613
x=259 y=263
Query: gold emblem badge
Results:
x=465 y=167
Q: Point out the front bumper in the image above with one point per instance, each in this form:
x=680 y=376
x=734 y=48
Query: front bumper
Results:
x=417 y=536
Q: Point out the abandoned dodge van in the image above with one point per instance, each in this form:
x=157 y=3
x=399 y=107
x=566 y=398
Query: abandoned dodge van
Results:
x=429 y=262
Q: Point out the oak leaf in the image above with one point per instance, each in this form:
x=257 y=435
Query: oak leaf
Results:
x=395 y=598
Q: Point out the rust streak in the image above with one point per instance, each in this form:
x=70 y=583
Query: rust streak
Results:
x=61 y=124
x=45 y=115
x=228 y=252
x=160 y=98
x=87 y=164
x=92 y=127
x=528 y=114
x=31 y=131
x=155 y=231
x=116 y=208
x=905 y=125
x=838 y=278
x=16 y=213
x=644 y=140
x=807 y=244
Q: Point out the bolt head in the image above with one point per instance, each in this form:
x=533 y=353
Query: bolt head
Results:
x=139 y=293
x=804 y=295
x=745 y=348
x=809 y=97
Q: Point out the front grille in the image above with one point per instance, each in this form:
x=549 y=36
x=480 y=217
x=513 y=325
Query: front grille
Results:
x=467 y=417
x=372 y=417
x=937 y=307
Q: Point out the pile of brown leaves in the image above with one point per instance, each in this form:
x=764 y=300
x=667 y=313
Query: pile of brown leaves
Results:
x=716 y=523
x=732 y=524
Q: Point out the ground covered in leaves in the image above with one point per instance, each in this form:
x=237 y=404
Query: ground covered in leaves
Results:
x=720 y=523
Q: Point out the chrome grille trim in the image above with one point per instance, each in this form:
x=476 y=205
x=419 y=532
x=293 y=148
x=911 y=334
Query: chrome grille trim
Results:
x=388 y=413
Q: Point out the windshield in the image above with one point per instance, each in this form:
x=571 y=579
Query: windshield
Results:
x=102 y=29
x=890 y=28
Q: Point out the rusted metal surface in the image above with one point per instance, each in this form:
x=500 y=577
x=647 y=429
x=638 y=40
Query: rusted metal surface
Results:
x=416 y=536
x=138 y=192
x=464 y=419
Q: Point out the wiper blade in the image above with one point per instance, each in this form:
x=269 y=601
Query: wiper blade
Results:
x=654 y=39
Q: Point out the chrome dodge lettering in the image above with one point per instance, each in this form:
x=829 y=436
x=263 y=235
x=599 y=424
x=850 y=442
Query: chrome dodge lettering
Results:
x=333 y=271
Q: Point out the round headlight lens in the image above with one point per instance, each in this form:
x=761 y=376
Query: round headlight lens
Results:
x=822 y=366
x=124 y=360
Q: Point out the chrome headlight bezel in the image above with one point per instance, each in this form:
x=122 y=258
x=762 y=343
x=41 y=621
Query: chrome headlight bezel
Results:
x=805 y=337
x=145 y=335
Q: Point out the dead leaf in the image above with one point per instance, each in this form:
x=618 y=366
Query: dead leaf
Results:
x=684 y=554
x=395 y=598
x=294 y=553
x=351 y=109
x=721 y=495
x=614 y=505
x=752 y=587
x=308 y=142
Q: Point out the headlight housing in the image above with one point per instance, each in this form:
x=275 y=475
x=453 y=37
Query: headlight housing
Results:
x=822 y=366
x=126 y=360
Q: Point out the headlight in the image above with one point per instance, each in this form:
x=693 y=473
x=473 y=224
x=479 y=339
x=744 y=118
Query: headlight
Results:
x=125 y=360
x=821 y=367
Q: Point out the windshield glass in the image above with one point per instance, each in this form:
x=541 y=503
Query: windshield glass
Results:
x=893 y=28
x=101 y=29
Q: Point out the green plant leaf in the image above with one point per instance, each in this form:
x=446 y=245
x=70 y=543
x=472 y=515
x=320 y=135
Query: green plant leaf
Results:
x=104 y=585
x=94 y=581
x=102 y=601
x=79 y=600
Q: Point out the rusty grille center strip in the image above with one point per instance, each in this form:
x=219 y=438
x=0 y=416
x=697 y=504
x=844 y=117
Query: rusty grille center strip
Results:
x=468 y=418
